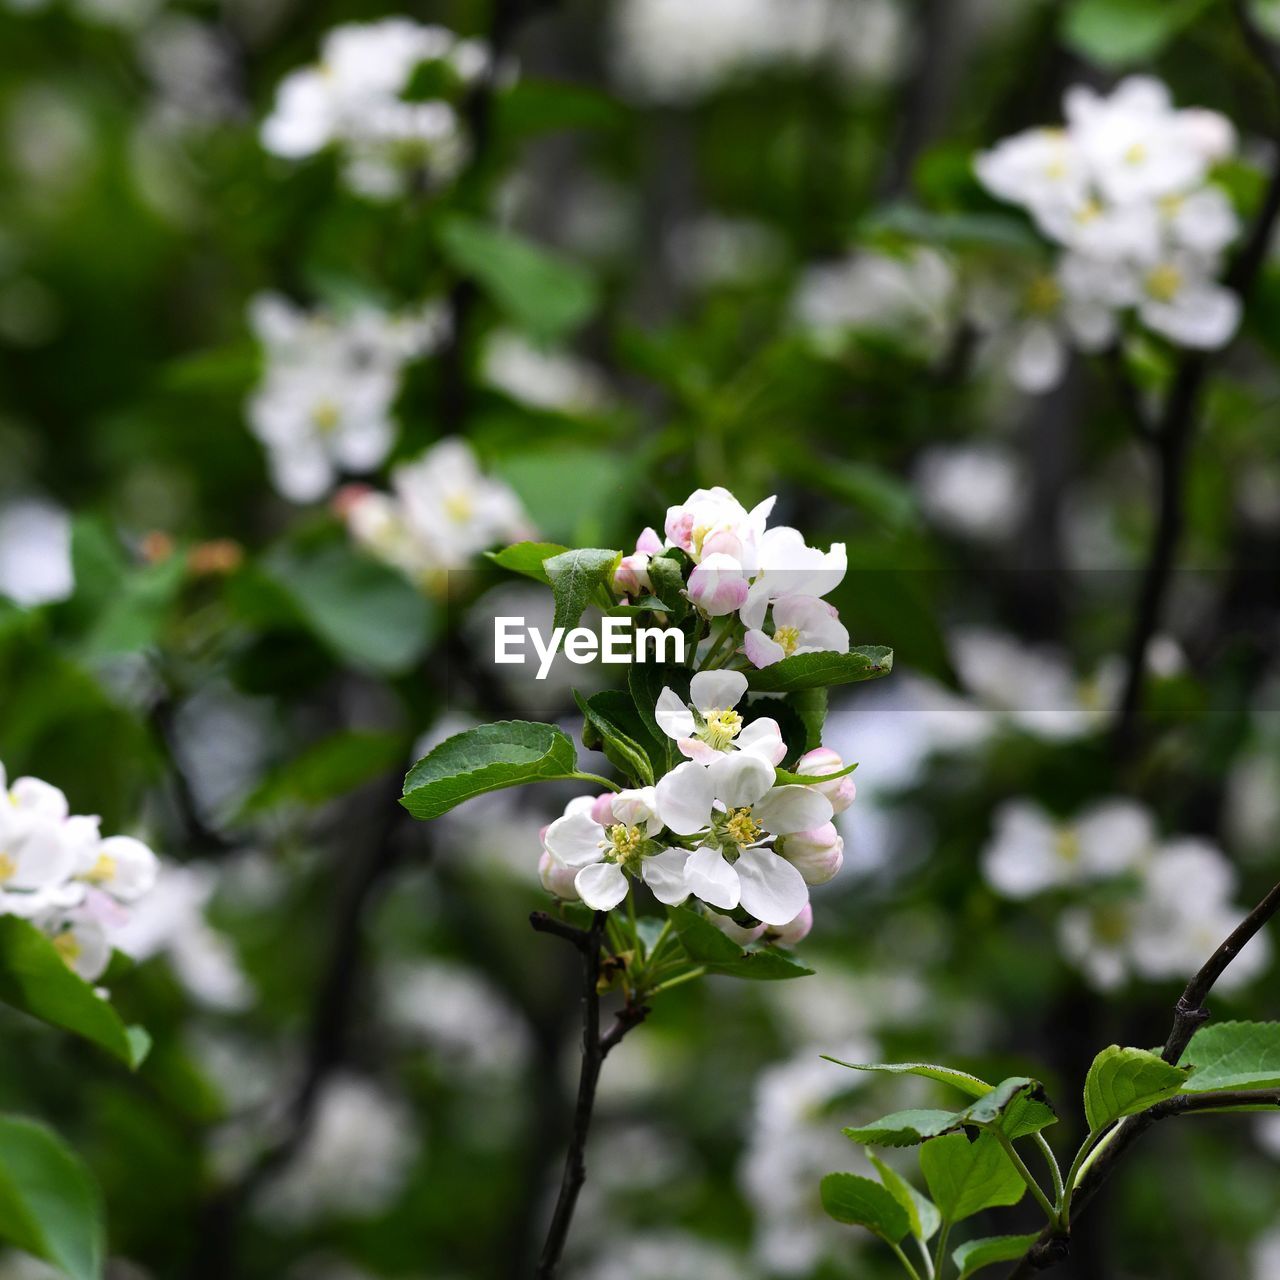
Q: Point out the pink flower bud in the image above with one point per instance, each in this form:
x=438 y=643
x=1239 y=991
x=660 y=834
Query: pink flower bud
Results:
x=797 y=930
x=556 y=877
x=648 y=543
x=631 y=577
x=602 y=809
x=718 y=586
x=732 y=929
x=820 y=761
x=817 y=855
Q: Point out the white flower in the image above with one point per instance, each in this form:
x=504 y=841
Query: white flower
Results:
x=553 y=380
x=35 y=552
x=734 y=807
x=603 y=853
x=1031 y=853
x=790 y=567
x=718 y=585
x=820 y=762
x=977 y=491
x=712 y=521
x=801 y=624
x=1042 y=169
x=818 y=854
x=708 y=725
x=631 y=577
x=1181 y=300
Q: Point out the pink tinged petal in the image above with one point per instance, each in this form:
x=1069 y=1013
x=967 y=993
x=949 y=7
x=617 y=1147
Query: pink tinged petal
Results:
x=755 y=606
x=762 y=738
x=793 y=808
x=717 y=690
x=575 y=839
x=673 y=717
x=740 y=778
x=635 y=807
x=793 y=931
x=818 y=854
x=771 y=888
x=696 y=749
x=762 y=650
x=556 y=878
x=685 y=797
x=601 y=886
x=666 y=876
x=648 y=543
x=601 y=809
x=712 y=879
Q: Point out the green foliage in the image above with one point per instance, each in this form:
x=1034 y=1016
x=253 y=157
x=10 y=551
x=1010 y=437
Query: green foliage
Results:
x=1116 y=33
x=49 y=1203
x=1124 y=1081
x=822 y=670
x=966 y=1177
x=973 y=1255
x=527 y=558
x=35 y=979
x=601 y=730
x=507 y=753
x=962 y=1080
x=327 y=770
x=577 y=578
x=1233 y=1055
x=903 y=1128
x=713 y=950
x=1018 y=1106
x=922 y=1213
x=847 y=1197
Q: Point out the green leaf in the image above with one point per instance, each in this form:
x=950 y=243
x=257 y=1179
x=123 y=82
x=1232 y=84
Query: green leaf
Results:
x=1118 y=32
x=864 y=1203
x=646 y=681
x=541 y=292
x=708 y=947
x=574 y=576
x=49 y=1203
x=1018 y=1106
x=620 y=710
x=954 y=230
x=903 y=1128
x=330 y=768
x=527 y=558
x=976 y=1254
x=364 y=612
x=132 y=620
x=784 y=777
x=489 y=758
x=822 y=670
x=810 y=705
x=922 y=1213
x=601 y=731
x=966 y=1177
x=668 y=585
x=1123 y=1081
x=534 y=106
x=1233 y=1055
x=35 y=979
x=962 y=1080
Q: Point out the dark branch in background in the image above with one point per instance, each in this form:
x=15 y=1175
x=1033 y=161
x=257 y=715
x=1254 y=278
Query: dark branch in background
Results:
x=595 y=1048
x=1171 y=435
x=327 y=1047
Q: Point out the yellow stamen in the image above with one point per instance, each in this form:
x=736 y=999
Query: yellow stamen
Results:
x=326 y=416
x=1136 y=154
x=1043 y=295
x=788 y=638
x=742 y=827
x=68 y=948
x=103 y=871
x=625 y=840
x=459 y=507
x=8 y=868
x=1066 y=845
x=721 y=729
x=1164 y=282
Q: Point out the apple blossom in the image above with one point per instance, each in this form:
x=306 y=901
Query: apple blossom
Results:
x=713 y=521
x=819 y=763
x=631 y=577
x=732 y=806
x=708 y=726
x=797 y=930
x=718 y=585
x=801 y=624
x=817 y=855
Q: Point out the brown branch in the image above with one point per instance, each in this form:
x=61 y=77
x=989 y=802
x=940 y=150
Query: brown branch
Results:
x=595 y=1048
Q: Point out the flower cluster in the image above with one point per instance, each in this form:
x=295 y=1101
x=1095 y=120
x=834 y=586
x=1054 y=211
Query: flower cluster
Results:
x=323 y=405
x=394 y=129
x=1147 y=908
x=770 y=578
x=441 y=512
x=58 y=871
x=720 y=827
x=1123 y=190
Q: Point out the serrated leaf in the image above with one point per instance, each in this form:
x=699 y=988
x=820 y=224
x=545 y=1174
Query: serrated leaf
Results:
x=1233 y=1055
x=507 y=753
x=859 y=1201
x=707 y=946
x=822 y=670
x=1018 y=1105
x=922 y=1213
x=527 y=558
x=1124 y=1081
x=668 y=585
x=645 y=682
x=1120 y=32
x=966 y=1177
x=574 y=576
x=973 y=1255
x=49 y=1204
x=35 y=979
x=622 y=750
x=903 y=1128
x=962 y=1080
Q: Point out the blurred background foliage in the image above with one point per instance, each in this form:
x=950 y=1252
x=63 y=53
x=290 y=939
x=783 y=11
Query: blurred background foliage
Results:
x=363 y=1058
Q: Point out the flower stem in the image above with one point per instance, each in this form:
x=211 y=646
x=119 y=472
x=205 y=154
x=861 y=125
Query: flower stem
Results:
x=677 y=981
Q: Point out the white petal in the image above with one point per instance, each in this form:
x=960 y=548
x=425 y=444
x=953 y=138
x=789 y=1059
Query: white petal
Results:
x=762 y=650
x=673 y=717
x=793 y=808
x=1038 y=359
x=762 y=738
x=757 y=605
x=685 y=797
x=133 y=867
x=772 y=889
x=717 y=690
x=740 y=778
x=665 y=875
x=712 y=879
x=575 y=839
x=601 y=886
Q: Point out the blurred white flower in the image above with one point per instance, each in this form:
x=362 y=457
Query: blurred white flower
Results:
x=354 y=1159
x=554 y=380
x=1265 y=1257
x=976 y=491
x=670 y=1255
x=716 y=250
x=35 y=552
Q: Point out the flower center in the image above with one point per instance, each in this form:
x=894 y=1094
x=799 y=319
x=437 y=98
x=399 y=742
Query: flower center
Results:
x=1164 y=282
x=1136 y=154
x=325 y=416
x=788 y=638
x=8 y=868
x=459 y=507
x=67 y=947
x=103 y=871
x=742 y=828
x=1111 y=925
x=721 y=728
x=1066 y=845
x=625 y=841
x=1043 y=295
x=1170 y=206
x=1088 y=212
